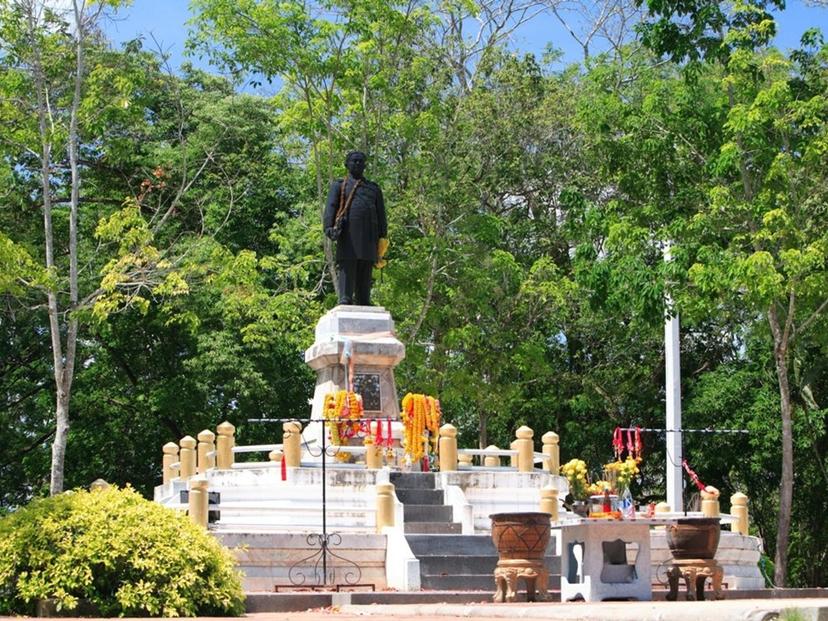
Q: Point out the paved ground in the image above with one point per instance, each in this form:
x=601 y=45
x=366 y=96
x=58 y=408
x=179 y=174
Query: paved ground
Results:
x=736 y=610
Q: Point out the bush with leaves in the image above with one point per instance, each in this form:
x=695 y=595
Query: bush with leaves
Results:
x=123 y=554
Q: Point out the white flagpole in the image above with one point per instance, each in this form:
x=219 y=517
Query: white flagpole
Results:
x=672 y=390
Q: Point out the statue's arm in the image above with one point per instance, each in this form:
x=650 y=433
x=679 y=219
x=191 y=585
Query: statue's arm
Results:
x=381 y=220
x=331 y=206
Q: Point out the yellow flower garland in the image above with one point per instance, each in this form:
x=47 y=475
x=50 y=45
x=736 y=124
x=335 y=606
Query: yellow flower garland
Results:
x=420 y=412
x=342 y=405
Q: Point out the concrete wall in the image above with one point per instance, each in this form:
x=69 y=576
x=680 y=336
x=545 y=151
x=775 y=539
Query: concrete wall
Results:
x=284 y=559
x=490 y=491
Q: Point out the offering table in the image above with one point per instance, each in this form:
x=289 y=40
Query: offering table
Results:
x=605 y=559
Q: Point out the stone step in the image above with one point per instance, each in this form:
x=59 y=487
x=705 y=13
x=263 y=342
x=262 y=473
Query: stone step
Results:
x=458 y=545
x=441 y=564
x=421 y=496
x=459 y=582
x=427 y=513
x=296 y=601
x=475 y=582
x=428 y=529
x=413 y=480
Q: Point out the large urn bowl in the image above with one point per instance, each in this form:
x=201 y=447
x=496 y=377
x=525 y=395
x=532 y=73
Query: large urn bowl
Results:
x=694 y=538
x=520 y=536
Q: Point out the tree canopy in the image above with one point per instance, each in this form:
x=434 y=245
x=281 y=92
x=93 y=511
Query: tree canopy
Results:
x=529 y=207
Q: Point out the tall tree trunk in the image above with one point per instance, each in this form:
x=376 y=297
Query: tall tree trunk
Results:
x=64 y=382
x=482 y=430
x=58 y=360
x=59 y=443
x=780 y=355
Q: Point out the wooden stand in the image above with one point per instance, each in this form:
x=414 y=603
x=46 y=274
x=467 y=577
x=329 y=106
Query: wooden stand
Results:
x=695 y=572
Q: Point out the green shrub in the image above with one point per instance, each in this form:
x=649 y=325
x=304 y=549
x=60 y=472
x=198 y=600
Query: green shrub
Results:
x=124 y=554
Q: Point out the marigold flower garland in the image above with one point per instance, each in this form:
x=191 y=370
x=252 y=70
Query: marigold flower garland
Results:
x=420 y=412
x=338 y=408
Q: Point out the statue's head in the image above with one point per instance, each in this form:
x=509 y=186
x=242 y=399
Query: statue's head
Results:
x=355 y=163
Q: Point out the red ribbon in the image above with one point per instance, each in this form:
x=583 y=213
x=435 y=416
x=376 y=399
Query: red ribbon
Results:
x=693 y=476
x=388 y=436
x=284 y=468
x=617 y=443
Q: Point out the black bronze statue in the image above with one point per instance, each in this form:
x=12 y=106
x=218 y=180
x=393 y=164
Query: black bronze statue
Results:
x=355 y=220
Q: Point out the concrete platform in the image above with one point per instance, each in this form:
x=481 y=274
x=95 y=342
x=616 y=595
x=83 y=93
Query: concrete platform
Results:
x=743 y=610
x=408 y=603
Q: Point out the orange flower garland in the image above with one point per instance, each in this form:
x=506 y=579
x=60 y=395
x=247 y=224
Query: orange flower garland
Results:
x=420 y=412
x=339 y=407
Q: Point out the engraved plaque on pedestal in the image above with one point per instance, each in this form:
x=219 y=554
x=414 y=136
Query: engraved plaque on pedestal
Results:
x=368 y=386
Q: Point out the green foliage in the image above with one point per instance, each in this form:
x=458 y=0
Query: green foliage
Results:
x=124 y=555
x=528 y=211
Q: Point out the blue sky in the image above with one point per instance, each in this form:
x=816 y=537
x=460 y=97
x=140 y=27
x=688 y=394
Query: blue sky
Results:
x=165 y=20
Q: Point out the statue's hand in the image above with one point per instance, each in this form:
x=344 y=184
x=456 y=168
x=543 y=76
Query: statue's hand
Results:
x=382 y=248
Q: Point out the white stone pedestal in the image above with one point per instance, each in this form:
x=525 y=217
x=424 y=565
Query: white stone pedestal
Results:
x=368 y=332
x=590 y=565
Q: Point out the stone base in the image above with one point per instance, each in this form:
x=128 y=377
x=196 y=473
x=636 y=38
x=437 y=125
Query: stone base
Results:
x=366 y=333
x=695 y=572
x=533 y=573
x=359 y=340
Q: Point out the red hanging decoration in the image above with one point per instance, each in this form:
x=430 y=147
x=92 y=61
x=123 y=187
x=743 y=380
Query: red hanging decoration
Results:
x=617 y=443
x=388 y=437
x=378 y=437
x=630 y=444
x=693 y=476
x=284 y=468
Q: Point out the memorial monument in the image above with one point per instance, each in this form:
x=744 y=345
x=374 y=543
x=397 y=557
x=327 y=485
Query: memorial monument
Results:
x=355 y=342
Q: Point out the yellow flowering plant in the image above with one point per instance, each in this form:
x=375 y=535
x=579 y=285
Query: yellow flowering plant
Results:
x=597 y=488
x=621 y=472
x=575 y=471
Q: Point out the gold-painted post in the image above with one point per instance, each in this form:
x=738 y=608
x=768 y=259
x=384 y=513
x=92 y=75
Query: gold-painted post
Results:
x=187 y=456
x=710 y=504
x=526 y=449
x=549 y=502
x=373 y=459
x=662 y=507
x=276 y=456
x=98 y=485
x=292 y=443
x=170 y=450
x=385 y=505
x=464 y=459
x=197 y=506
x=552 y=450
x=448 y=448
x=491 y=461
x=224 y=445
x=739 y=510
x=206 y=446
